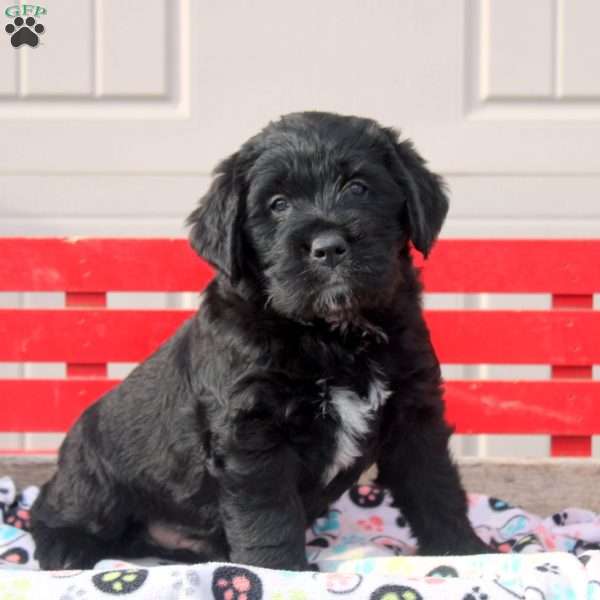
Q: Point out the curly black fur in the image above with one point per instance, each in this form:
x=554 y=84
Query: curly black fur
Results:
x=308 y=361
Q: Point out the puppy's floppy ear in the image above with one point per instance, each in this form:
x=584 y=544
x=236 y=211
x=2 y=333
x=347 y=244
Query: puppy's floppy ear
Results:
x=216 y=225
x=427 y=202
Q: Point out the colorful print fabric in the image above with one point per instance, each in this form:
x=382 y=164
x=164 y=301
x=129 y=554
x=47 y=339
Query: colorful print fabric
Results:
x=360 y=550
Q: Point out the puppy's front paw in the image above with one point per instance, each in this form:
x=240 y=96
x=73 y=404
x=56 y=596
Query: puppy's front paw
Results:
x=475 y=546
x=469 y=544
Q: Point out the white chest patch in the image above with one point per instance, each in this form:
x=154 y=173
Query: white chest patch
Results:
x=354 y=415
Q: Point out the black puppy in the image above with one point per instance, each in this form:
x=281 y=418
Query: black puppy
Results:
x=308 y=361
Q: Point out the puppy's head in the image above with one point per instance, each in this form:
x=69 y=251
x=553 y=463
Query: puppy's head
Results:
x=317 y=211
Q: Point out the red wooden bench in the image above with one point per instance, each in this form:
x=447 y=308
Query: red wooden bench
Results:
x=86 y=335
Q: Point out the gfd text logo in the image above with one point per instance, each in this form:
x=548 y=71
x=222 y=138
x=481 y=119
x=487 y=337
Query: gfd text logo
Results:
x=24 y=29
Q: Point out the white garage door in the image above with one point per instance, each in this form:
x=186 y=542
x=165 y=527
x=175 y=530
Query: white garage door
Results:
x=111 y=124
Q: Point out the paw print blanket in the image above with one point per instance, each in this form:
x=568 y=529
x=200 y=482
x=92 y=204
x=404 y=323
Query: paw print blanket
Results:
x=362 y=549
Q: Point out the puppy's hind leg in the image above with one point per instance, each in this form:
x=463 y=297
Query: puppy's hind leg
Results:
x=75 y=526
x=80 y=514
x=60 y=548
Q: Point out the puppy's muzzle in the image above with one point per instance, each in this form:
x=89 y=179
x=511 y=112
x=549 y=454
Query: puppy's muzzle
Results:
x=329 y=249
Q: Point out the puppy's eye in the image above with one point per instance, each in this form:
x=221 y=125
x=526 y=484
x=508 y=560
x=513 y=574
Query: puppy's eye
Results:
x=279 y=204
x=357 y=188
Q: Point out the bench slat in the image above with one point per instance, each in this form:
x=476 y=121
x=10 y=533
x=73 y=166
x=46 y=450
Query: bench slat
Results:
x=461 y=266
x=514 y=266
x=85 y=336
x=93 y=265
x=460 y=337
x=516 y=337
x=47 y=405
x=567 y=407
x=496 y=407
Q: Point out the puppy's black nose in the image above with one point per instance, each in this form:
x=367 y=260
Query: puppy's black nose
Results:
x=329 y=249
